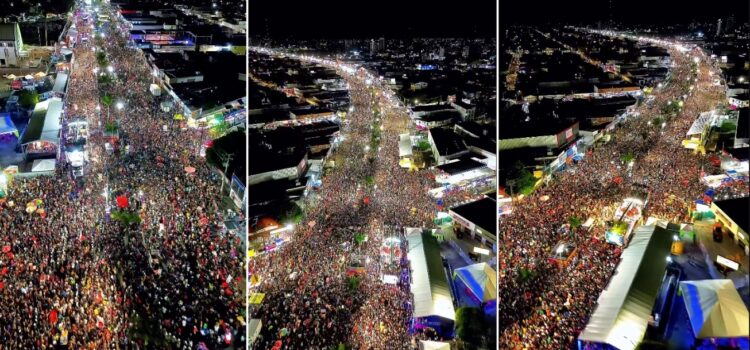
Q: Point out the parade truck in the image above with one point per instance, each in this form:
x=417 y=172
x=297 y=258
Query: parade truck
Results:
x=627 y=215
x=76 y=158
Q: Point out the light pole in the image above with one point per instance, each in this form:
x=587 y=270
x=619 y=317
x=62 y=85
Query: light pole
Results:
x=225 y=159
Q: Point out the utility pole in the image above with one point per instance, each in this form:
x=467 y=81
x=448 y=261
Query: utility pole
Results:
x=225 y=159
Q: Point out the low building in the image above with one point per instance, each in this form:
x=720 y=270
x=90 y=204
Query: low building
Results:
x=11 y=44
x=479 y=218
x=446 y=145
x=732 y=213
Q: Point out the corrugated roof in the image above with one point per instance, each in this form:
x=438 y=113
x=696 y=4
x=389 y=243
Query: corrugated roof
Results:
x=432 y=296
x=623 y=309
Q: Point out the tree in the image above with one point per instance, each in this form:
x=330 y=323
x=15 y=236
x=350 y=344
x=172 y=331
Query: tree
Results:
x=125 y=217
x=470 y=326
x=523 y=181
x=107 y=100
x=627 y=157
x=574 y=222
x=353 y=283
x=28 y=98
x=291 y=212
x=101 y=59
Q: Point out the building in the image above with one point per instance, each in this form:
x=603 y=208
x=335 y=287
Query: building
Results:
x=11 y=44
x=732 y=213
x=446 y=145
x=276 y=155
x=478 y=218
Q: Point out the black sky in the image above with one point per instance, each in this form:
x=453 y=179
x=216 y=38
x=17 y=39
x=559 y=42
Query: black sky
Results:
x=623 y=11
x=366 y=19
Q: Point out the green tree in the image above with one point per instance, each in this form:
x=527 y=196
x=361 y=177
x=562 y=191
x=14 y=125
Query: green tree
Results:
x=523 y=181
x=574 y=222
x=353 y=283
x=627 y=157
x=291 y=213
x=28 y=99
x=470 y=326
x=107 y=100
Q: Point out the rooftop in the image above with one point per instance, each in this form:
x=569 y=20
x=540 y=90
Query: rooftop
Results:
x=736 y=209
x=481 y=213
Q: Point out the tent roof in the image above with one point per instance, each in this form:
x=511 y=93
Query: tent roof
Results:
x=43 y=165
x=60 y=82
x=432 y=295
x=404 y=145
x=715 y=309
x=6 y=124
x=623 y=309
x=481 y=280
x=44 y=124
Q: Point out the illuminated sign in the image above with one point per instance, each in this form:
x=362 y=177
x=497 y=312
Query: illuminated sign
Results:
x=727 y=263
x=481 y=251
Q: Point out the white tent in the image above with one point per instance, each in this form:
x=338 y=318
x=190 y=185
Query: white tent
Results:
x=481 y=280
x=623 y=308
x=429 y=287
x=715 y=309
x=433 y=345
x=43 y=165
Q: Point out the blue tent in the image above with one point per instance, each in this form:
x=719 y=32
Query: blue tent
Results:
x=6 y=125
x=480 y=278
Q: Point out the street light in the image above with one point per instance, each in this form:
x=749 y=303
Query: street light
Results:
x=120 y=105
x=110 y=69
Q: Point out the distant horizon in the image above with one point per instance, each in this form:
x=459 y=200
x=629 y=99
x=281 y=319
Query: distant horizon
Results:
x=339 y=19
x=632 y=12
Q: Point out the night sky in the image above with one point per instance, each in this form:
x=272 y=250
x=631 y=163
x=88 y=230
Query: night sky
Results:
x=340 y=19
x=624 y=11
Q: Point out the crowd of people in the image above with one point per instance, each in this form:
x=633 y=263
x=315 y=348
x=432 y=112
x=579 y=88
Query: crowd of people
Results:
x=310 y=301
x=545 y=306
x=73 y=274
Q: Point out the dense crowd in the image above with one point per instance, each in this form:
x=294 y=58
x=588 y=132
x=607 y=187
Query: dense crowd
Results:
x=73 y=275
x=544 y=306
x=309 y=302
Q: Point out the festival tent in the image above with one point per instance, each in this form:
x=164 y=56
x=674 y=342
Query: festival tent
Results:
x=433 y=345
x=430 y=287
x=6 y=125
x=43 y=165
x=715 y=309
x=624 y=307
x=481 y=280
x=61 y=82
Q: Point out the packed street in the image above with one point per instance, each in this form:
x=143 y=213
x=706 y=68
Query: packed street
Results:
x=544 y=307
x=134 y=254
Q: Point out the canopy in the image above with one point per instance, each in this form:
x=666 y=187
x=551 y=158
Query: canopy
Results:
x=432 y=295
x=44 y=124
x=61 y=81
x=433 y=345
x=6 y=125
x=481 y=280
x=715 y=309
x=404 y=145
x=623 y=309
x=42 y=165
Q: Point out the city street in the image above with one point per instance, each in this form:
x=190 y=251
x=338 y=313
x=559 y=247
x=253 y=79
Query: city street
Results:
x=134 y=252
x=313 y=266
x=544 y=307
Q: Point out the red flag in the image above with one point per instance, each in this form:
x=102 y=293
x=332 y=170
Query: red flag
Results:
x=122 y=202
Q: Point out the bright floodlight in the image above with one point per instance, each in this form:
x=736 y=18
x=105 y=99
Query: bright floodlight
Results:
x=120 y=105
x=110 y=69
